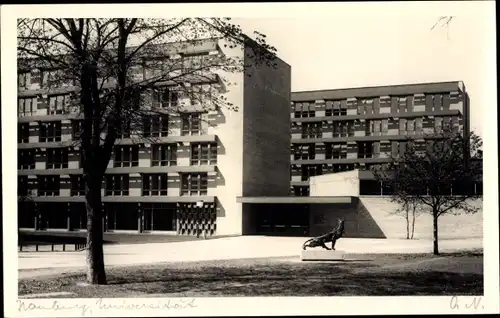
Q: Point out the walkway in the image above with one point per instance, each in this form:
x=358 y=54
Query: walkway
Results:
x=228 y=248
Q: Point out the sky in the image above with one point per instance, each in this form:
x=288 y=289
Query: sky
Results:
x=352 y=50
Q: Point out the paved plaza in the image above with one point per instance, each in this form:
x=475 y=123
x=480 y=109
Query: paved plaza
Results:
x=225 y=249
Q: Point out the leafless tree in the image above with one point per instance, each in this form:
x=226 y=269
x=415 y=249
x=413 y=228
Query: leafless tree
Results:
x=98 y=60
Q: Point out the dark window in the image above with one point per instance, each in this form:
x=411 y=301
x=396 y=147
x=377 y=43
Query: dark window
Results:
x=310 y=171
x=50 y=131
x=165 y=97
x=304 y=152
x=124 y=130
x=369 y=187
x=312 y=130
x=203 y=153
x=365 y=149
x=305 y=114
x=26 y=106
x=76 y=128
x=154 y=184
x=57 y=158
x=22 y=185
x=343 y=129
x=23 y=133
x=117 y=184
x=164 y=155
x=77 y=185
x=48 y=185
x=336 y=150
x=301 y=191
x=155 y=126
x=26 y=159
x=126 y=156
x=194 y=184
x=191 y=124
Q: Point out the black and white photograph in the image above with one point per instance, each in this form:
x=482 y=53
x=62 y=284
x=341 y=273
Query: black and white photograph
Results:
x=191 y=159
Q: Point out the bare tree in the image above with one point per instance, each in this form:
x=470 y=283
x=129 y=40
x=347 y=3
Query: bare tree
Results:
x=438 y=174
x=409 y=209
x=101 y=61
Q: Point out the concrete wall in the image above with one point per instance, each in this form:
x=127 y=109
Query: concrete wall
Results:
x=339 y=184
x=374 y=217
x=229 y=133
x=266 y=128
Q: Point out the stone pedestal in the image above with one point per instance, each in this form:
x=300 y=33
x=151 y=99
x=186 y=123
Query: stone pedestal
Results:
x=321 y=255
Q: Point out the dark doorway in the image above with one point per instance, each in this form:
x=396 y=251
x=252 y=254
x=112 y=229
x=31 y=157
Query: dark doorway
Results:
x=159 y=217
x=282 y=219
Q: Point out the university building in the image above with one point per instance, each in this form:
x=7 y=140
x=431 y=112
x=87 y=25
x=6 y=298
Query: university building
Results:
x=183 y=181
x=337 y=135
x=346 y=129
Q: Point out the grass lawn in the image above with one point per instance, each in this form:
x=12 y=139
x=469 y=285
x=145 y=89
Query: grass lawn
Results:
x=360 y=275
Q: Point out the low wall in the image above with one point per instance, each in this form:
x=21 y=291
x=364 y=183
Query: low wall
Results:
x=373 y=217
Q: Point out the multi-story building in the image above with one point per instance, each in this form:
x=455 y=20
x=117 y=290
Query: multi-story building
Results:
x=184 y=179
x=344 y=129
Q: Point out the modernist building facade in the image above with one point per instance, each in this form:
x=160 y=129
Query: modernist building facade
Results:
x=186 y=180
x=346 y=129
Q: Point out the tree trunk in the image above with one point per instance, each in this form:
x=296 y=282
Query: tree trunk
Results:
x=96 y=273
x=407 y=224
x=435 y=225
x=413 y=223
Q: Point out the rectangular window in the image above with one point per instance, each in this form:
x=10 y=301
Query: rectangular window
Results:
x=57 y=158
x=117 y=184
x=77 y=185
x=165 y=97
x=310 y=171
x=342 y=129
x=124 y=130
x=126 y=156
x=191 y=124
x=23 y=133
x=26 y=106
x=22 y=186
x=36 y=77
x=305 y=114
x=155 y=126
x=365 y=149
x=25 y=159
x=50 y=131
x=76 y=129
x=336 y=150
x=22 y=80
x=154 y=184
x=48 y=185
x=312 y=130
x=194 y=184
x=58 y=104
x=385 y=126
x=304 y=152
x=164 y=155
x=203 y=153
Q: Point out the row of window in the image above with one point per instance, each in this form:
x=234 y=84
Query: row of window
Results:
x=152 y=126
x=307 y=171
x=336 y=150
x=402 y=104
x=377 y=127
x=125 y=156
x=118 y=184
x=373 y=187
x=161 y=98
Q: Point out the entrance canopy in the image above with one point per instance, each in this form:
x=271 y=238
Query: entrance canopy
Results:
x=293 y=200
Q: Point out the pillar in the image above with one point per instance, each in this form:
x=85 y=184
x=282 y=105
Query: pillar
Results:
x=381 y=189
x=104 y=219
x=68 y=218
x=36 y=216
x=140 y=218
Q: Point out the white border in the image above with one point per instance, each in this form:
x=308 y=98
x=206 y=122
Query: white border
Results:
x=258 y=305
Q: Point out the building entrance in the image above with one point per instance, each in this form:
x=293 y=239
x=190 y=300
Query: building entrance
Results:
x=283 y=219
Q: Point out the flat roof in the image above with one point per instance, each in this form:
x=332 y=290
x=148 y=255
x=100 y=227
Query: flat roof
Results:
x=387 y=90
x=293 y=200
